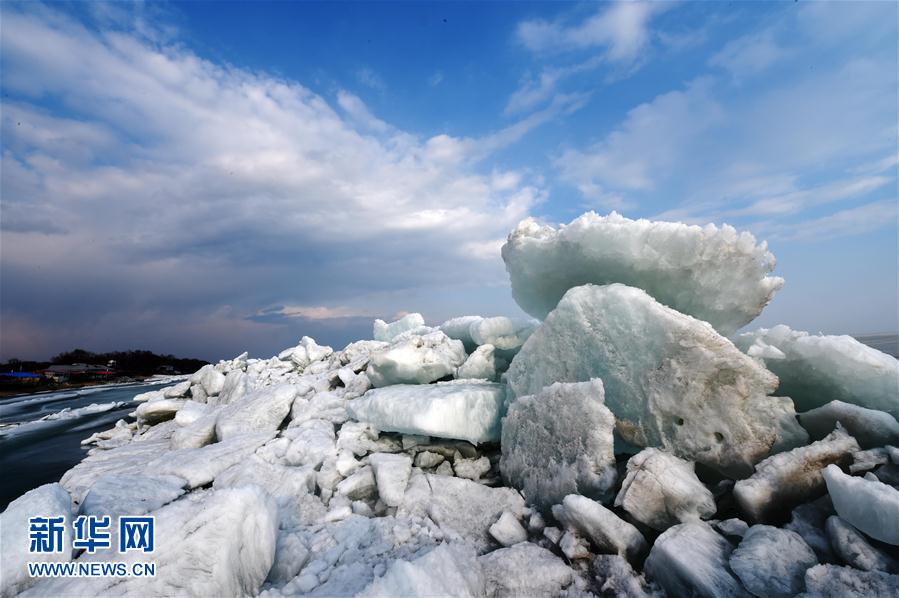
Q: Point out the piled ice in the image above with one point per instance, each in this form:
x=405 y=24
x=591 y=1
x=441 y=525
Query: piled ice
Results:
x=814 y=370
x=869 y=505
x=714 y=274
x=467 y=410
x=782 y=481
x=49 y=500
x=670 y=380
x=661 y=490
x=618 y=448
x=559 y=442
x=772 y=562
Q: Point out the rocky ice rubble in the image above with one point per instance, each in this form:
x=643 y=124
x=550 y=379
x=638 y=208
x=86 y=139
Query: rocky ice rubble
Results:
x=670 y=379
x=623 y=446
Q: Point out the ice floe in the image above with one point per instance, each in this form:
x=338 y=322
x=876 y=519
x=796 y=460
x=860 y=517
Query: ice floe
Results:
x=772 y=562
x=690 y=559
x=870 y=506
x=712 y=273
x=49 y=500
x=416 y=360
x=559 y=442
x=465 y=409
x=670 y=380
x=816 y=369
x=787 y=479
x=661 y=490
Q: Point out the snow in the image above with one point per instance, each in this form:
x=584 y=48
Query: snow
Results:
x=772 y=562
x=392 y=475
x=690 y=559
x=416 y=360
x=524 y=569
x=559 y=442
x=830 y=581
x=869 y=506
x=855 y=550
x=49 y=500
x=712 y=273
x=388 y=332
x=448 y=570
x=260 y=411
x=816 y=369
x=480 y=365
x=787 y=479
x=216 y=543
x=869 y=427
x=670 y=380
x=466 y=410
x=605 y=530
x=508 y=530
x=661 y=490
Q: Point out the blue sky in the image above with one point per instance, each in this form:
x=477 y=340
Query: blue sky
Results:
x=205 y=178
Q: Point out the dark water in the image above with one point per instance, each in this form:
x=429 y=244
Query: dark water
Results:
x=37 y=453
x=888 y=343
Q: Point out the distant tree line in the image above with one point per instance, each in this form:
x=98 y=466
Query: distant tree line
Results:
x=142 y=363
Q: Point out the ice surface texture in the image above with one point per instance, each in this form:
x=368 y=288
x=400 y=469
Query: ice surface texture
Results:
x=772 y=562
x=786 y=479
x=661 y=490
x=49 y=500
x=869 y=506
x=560 y=442
x=712 y=273
x=814 y=370
x=466 y=409
x=670 y=380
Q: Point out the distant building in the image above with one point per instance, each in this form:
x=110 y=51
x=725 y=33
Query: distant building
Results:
x=79 y=371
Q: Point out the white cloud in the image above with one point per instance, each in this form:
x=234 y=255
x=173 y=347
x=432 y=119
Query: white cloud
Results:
x=646 y=147
x=320 y=312
x=177 y=183
x=749 y=55
x=371 y=79
x=617 y=36
x=844 y=223
x=621 y=29
x=767 y=148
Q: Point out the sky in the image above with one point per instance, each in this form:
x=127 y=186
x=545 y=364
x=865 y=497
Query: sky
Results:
x=207 y=178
